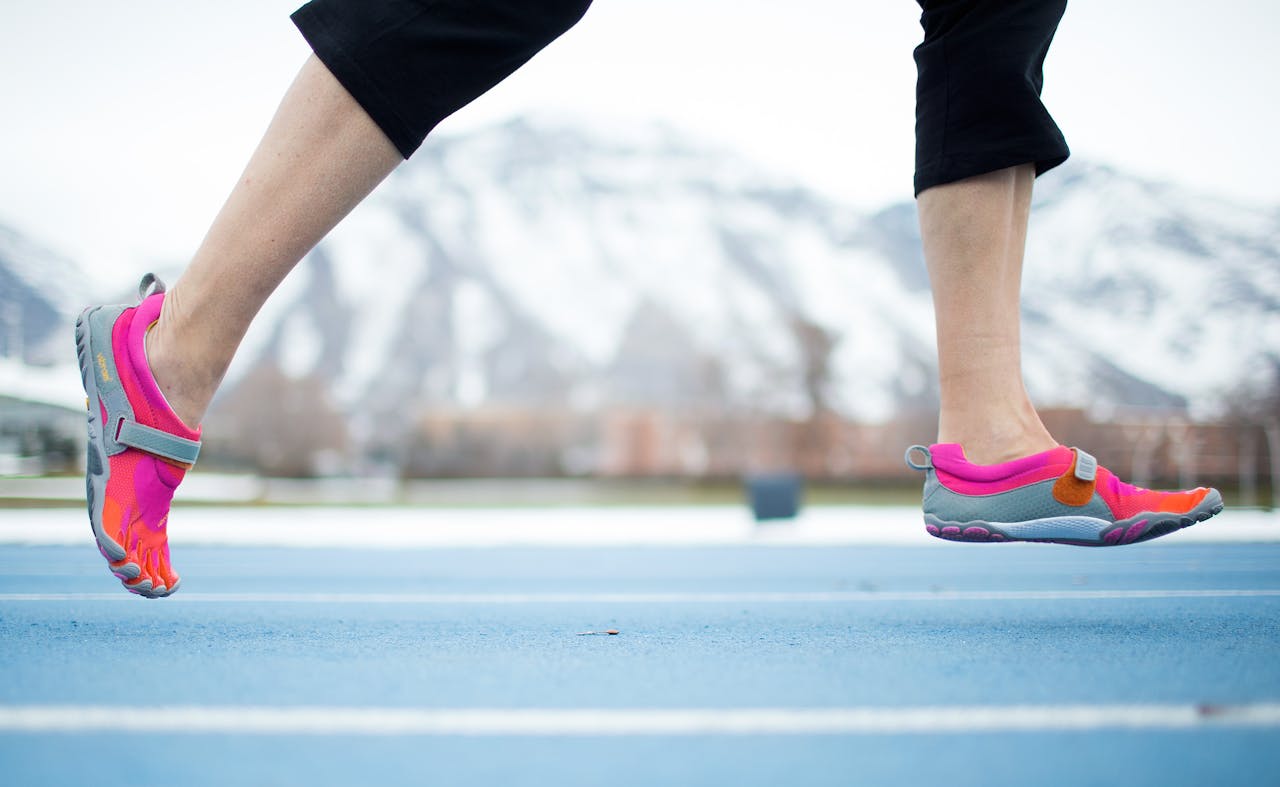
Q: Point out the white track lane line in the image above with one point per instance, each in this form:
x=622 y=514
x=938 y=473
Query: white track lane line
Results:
x=257 y=720
x=748 y=597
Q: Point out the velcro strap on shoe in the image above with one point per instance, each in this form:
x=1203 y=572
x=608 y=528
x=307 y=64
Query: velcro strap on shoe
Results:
x=157 y=442
x=1076 y=486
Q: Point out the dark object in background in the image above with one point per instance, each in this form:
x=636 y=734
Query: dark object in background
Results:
x=774 y=495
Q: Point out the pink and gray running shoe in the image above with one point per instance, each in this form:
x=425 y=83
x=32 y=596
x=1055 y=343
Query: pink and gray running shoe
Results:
x=138 y=451
x=1062 y=496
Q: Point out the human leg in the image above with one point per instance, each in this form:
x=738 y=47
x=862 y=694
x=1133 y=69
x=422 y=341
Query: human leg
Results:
x=974 y=233
x=320 y=156
x=996 y=474
x=982 y=136
x=381 y=78
x=367 y=99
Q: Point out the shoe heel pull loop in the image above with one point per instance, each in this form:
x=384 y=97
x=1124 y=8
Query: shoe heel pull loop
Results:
x=928 y=458
x=150 y=285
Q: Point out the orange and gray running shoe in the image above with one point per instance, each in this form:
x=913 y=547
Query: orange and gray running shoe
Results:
x=138 y=450
x=1062 y=496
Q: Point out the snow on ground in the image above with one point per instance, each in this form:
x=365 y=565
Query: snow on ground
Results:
x=402 y=527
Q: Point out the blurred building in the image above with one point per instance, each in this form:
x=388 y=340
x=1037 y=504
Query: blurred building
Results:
x=38 y=438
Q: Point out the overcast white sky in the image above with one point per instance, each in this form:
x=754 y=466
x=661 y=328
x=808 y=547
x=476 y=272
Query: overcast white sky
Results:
x=123 y=125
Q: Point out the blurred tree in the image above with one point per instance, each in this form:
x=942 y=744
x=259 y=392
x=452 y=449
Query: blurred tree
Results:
x=1254 y=411
x=276 y=424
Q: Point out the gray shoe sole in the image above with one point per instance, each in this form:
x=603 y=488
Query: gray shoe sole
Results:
x=1082 y=531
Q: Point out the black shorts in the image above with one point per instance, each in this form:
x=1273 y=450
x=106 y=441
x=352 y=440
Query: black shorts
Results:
x=979 y=74
x=412 y=63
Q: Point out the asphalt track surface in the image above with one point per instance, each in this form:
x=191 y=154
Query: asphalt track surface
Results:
x=737 y=664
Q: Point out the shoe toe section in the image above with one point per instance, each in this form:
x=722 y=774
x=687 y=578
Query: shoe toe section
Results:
x=1212 y=501
x=152 y=576
x=141 y=585
x=112 y=551
x=1181 y=502
x=152 y=572
x=126 y=569
x=166 y=578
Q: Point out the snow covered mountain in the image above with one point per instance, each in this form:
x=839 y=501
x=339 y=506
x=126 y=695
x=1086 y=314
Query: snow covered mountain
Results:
x=1156 y=294
x=545 y=264
x=40 y=293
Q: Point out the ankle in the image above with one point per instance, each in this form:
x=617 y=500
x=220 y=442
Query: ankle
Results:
x=980 y=451
x=991 y=440
x=186 y=390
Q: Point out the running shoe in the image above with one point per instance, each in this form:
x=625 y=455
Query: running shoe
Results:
x=138 y=451
x=1062 y=496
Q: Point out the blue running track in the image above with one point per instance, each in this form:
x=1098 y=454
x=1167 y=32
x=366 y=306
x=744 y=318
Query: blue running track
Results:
x=734 y=665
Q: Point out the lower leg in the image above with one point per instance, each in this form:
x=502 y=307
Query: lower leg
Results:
x=319 y=158
x=974 y=234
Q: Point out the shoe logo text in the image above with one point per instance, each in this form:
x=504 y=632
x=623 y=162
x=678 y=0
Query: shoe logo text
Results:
x=102 y=365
